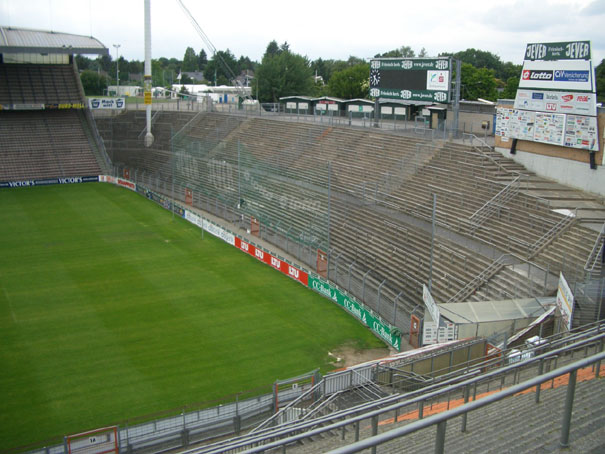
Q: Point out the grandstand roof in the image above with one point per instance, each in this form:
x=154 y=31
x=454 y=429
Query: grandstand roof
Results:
x=489 y=311
x=25 y=40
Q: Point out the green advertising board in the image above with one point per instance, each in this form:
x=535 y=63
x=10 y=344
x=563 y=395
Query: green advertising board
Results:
x=385 y=331
x=567 y=50
x=411 y=79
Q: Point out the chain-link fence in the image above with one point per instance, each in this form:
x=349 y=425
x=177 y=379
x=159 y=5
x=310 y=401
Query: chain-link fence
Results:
x=331 y=198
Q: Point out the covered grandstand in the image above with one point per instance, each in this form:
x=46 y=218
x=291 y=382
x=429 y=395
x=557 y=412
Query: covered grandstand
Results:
x=46 y=130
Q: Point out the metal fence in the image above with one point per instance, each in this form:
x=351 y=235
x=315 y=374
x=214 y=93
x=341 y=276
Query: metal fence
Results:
x=251 y=172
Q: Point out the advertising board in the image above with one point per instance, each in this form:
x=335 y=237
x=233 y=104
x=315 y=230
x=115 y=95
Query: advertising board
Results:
x=415 y=79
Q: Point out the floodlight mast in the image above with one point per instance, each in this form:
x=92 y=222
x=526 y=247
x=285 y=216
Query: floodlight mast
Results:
x=240 y=88
x=148 y=79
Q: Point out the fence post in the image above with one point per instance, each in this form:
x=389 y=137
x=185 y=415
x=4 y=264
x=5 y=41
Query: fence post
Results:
x=363 y=287
x=571 y=390
x=374 y=430
x=395 y=307
x=350 y=272
x=379 y=291
x=440 y=438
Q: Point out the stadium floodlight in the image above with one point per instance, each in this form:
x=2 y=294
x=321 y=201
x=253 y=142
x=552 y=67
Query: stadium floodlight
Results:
x=117 y=46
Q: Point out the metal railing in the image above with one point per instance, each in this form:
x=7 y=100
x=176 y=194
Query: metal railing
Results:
x=596 y=253
x=549 y=236
x=415 y=400
x=440 y=419
x=493 y=205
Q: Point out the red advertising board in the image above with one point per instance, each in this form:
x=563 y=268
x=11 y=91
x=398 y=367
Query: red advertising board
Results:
x=272 y=261
x=127 y=184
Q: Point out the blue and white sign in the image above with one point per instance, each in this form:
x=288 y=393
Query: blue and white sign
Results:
x=107 y=103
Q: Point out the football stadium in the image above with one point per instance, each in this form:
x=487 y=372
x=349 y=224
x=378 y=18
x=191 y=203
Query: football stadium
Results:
x=313 y=275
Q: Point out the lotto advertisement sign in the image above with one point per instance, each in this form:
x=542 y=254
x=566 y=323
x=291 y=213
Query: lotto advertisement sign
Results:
x=550 y=70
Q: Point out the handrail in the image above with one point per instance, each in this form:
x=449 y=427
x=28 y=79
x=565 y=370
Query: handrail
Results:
x=506 y=194
x=307 y=429
x=422 y=395
x=597 y=251
x=287 y=407
x=466 y=408
x=488 y=272
x=473 y=137
x=482 y=277
x=545 y=239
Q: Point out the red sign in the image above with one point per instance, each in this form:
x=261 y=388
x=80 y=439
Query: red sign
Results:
x=127 y=184
x=188 y=196
x=273 y=262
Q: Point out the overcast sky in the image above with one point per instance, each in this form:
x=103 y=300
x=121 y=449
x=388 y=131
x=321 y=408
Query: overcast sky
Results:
x=326 y=29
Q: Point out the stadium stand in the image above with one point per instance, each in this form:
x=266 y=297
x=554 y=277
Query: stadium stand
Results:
x=45 y=128
x=365 y=197
x=39 y=144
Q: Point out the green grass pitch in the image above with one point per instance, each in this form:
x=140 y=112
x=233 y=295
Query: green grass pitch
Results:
x=110 y=309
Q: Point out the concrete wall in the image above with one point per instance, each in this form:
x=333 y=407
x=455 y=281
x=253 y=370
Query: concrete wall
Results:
x=471 y=122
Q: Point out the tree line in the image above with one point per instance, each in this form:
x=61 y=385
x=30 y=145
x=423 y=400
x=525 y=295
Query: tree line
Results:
x=283 y=72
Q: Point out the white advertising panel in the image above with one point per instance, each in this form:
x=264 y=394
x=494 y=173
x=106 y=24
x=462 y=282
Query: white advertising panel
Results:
x=437 y=80
x=565 y=301
x=291 y=105
x=581 y=132
x=576 y=131
x=434 y=334
x=557 y=75
x=430 y=304
x=107 y=103
x=557 y=102
x=303 y=105
x=549 y=128
x=384 y=110
x=399 y=110
x=332 y=106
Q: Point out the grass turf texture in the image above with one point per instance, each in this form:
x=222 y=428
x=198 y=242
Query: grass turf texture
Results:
x=110 y=309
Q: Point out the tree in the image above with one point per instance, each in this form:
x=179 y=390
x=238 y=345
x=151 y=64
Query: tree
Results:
x=202 y=60
x=423 y=53
x=483 y=59
x=402 y=52
x=350 y=83
x=83 y=62
x=478 y=83
x=93 y=83
x=216 y=66
x=190 y=60
x=510 y=89
x=282 y=73
x=157 y=74
x=600 y=81
x=272 y=48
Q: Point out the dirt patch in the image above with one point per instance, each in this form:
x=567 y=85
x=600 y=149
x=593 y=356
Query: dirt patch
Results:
x=349 y=356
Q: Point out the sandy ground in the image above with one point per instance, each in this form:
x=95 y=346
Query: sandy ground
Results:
x=349 y=356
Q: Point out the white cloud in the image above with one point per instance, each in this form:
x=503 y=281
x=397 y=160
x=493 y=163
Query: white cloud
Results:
x=326 y=29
